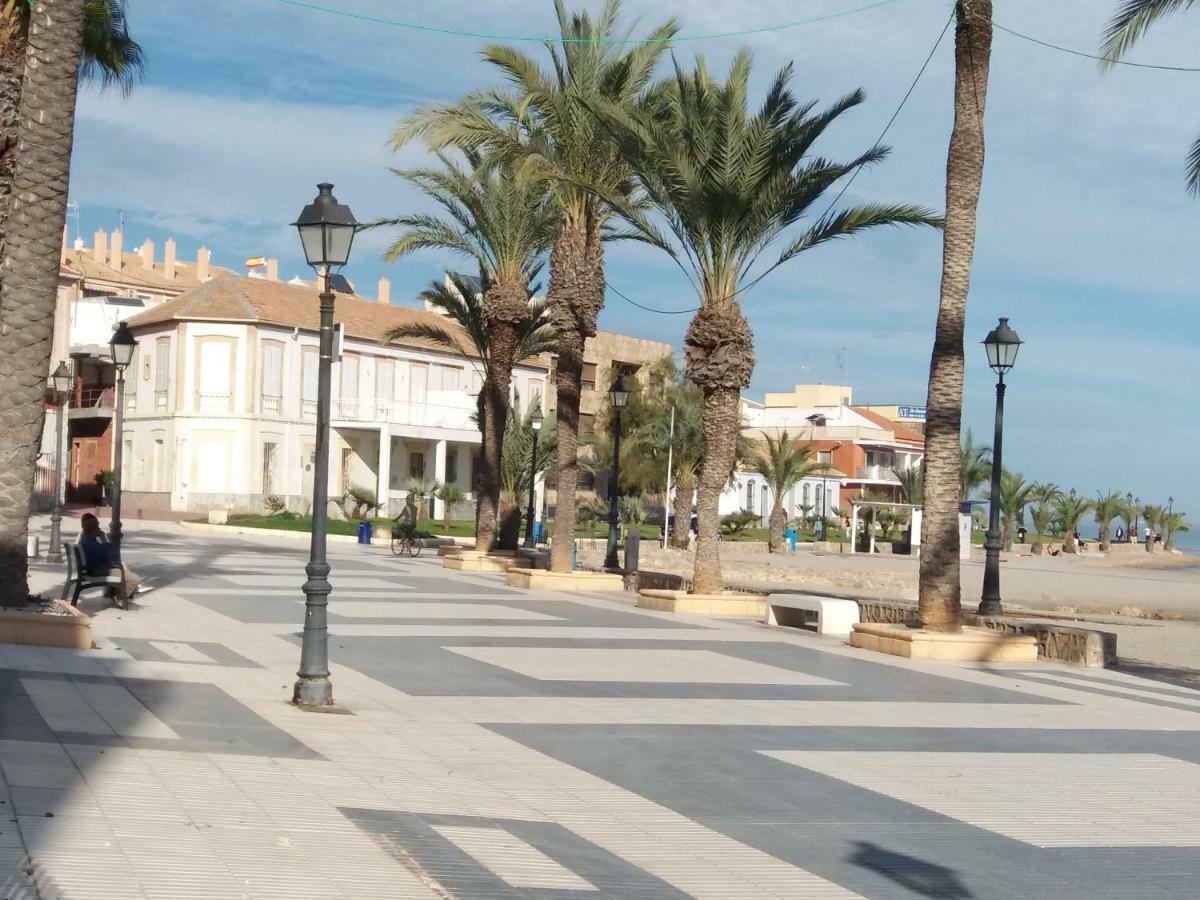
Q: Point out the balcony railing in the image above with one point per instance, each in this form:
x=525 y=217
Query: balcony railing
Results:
x=877 y=473
x=160 y=401
x=95 y=398
x=308 y=409
x=214 y=402
x=451 y=409
x=271 y=405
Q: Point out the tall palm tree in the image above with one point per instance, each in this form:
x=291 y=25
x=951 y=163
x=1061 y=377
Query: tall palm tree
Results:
x=1068 y=510
x=1175 y=523
x=940 y=600
x=1107 y=507
x=109 y=55
x=1154 y=515
x=729 y=183
x=28 y=295
x=1132 y=20
x=783 y=464
x=460 y=300
x=542 y=120
x=975 y=466
x=505 y=222
x=1044 y=494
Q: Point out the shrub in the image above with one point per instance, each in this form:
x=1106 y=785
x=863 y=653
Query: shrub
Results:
x=735 y=523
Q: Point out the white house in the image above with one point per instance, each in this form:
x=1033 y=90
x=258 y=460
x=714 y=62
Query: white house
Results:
x=222 y=399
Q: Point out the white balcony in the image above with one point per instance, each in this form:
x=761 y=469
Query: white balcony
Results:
x=442 y=409
x=876 y=473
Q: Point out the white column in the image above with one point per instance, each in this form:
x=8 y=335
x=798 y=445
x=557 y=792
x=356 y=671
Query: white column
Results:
x=853 y=527
x=439 y=475
x=384 y=468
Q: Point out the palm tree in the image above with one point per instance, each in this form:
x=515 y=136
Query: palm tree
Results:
x=543 y=121
x=1107 y=507
x=28 y=295
x=505 y=222
x=783 y=464
x=1068 y=510
x=729 y=183
x=109 y=55
x=1044 y=494
x=1132 y=20
x=1175 y=523
x=450 y=493
x=939 y=597
x=1015 y=493
x=912 y=484
x=975 y=466
x=1154 y=516
x=38 y=86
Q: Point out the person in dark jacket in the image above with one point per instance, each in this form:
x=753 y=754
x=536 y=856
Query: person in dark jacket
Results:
x=97 y=557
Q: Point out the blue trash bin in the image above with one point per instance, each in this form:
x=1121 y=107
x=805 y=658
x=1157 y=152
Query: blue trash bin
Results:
x=790 y=534
x=364 y=532
x=537 y=532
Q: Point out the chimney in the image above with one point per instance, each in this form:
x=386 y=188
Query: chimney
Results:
x=202 y=258
x=114 y=251
x=100 y=249
x=385 y=291
x=272 y=270
x=169 y=259
x=148 y=255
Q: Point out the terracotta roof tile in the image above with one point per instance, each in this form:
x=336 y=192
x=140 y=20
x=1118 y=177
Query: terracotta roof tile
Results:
x=902 y=432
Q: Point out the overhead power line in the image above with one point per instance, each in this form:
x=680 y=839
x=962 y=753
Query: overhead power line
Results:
x=1081 y=53
x=543 y=38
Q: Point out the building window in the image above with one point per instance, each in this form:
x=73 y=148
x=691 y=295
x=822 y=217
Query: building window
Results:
x=750 y=496
x=162 y=373
x=309 y=359
x=821 y=498
x=127 y=463
x=271 y=389
x=589 y=377
x=451 y=466
x=385 y=386
x=825 y=457
x=268 y=468
x=805 y=491
x=131 y=384
x=416 y=464
x=214 y=377
x=348 y=399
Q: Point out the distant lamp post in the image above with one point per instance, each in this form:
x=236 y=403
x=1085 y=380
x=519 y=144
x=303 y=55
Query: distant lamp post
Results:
x=121 y=349
x=619 y=395
x=1002 y=345
x=327 y=231
x=1170 y=506
x=61 y=381
x=536 y=422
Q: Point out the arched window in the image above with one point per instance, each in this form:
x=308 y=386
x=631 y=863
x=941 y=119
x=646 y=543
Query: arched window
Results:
x=804 y=494
x=750 y=496
x=821 y=498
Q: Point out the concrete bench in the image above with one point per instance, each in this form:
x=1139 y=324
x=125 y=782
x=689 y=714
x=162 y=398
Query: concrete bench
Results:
x=832 y=616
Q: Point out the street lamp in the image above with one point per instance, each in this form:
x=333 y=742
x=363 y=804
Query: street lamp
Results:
x=121 y=349
x=61 y=380
x=327 y=231
x=1002 y=346
x=536 y=422
x=619 y=395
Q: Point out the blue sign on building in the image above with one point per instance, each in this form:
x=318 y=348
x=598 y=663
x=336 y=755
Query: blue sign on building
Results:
x=913 y=412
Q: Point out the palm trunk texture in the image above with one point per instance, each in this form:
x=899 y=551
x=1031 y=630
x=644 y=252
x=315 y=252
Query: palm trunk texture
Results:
x=505 y=307
x=777 y=524
x=685 y=489
x=575 y=298
x=12 y=67
x=940 y=590
x=719 y=348
x=30 y=266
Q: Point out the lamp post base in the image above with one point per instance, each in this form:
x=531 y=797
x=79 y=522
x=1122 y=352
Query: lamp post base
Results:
x=55 y=557
x=990 y=608
x=312 y=692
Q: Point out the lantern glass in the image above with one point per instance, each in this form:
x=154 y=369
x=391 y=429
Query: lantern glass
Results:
x=619 y=393
x=326 y=229
x=536 y=419
x=122 y=346
x=1002 y=344
x=61 y=378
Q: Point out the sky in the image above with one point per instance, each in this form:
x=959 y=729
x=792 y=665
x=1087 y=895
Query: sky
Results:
x=1086 y=237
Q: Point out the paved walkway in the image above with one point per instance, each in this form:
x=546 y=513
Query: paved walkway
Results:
x=495 y=743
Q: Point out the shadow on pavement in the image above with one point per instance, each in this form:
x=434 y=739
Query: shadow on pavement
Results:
x=916 y=875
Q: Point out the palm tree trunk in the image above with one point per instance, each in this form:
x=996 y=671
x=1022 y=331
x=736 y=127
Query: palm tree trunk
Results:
x=719 y=347
x=685 y=490
x=12 y=68
x=940 y=591
x=777 y=522
x=575 y=297
x=29 y=292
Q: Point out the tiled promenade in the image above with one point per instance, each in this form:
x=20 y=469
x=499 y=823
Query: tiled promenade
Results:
x=501 y=744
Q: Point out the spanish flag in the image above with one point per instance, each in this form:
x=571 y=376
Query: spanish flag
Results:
x=256 y=262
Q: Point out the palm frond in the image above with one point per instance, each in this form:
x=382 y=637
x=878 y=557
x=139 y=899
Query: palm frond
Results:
x=1130 y=24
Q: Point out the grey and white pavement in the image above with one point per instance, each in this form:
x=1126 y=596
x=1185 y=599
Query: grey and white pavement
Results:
x=496 y=743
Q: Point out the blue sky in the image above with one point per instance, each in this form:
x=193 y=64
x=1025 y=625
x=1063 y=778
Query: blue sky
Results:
x=1087 y=239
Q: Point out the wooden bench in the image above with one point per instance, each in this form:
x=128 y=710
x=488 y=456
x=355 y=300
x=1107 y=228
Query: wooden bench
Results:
x=79 y=581
x=829 y=615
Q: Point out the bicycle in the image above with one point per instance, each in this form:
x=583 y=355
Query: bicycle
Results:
x=405 y=541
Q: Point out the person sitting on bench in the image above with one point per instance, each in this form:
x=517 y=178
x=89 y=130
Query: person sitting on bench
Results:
x=97 y=556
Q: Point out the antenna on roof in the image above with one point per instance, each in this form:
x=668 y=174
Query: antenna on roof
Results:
x=73 y=216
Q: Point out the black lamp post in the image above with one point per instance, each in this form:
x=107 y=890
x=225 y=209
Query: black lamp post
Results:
x=619 y=395
x=61 y=380
x=326 y=233
x=121 y=349
x=1002 y=345
x=536 y=422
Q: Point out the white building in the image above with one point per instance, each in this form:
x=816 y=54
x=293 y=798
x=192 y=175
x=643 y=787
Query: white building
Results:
x=222 y=398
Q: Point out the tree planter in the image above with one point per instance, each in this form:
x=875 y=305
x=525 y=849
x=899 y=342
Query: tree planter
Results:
x=478 y=561
x=65 y=627
x=728 y=603
x=578 y=580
